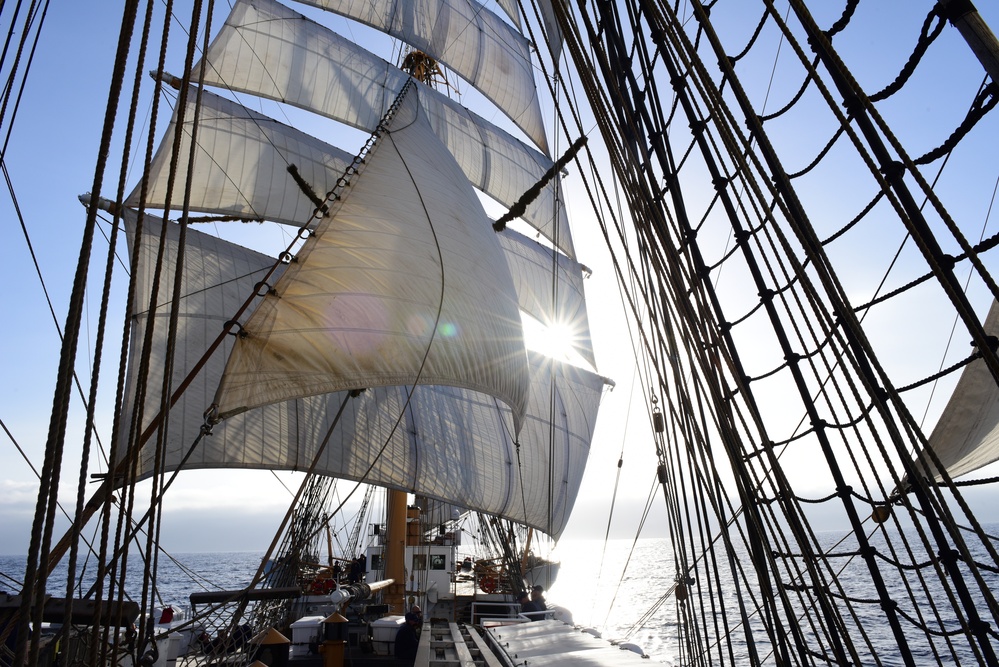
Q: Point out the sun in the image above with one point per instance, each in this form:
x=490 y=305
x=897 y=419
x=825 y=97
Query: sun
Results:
x=556 y=340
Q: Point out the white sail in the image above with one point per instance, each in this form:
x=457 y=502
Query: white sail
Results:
x=553 y=33
x=468 y=38
x=218 y=277
x=434 y=512
x=241 y=164
x=451 y=444
x=509 y=8
x=336 y=78
x=226 y=129
x=403 y=283
x=559 y=440
x=966 y=437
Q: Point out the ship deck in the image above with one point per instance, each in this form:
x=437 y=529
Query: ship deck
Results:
x=505 y=643
x=548 y=643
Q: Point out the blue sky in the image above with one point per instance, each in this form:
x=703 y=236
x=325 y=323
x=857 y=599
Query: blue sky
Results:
x=50 y=160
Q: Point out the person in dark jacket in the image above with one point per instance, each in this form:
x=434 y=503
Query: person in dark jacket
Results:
x=407 y=641
x=538 y=598
x=526 y=604
x=357 y=569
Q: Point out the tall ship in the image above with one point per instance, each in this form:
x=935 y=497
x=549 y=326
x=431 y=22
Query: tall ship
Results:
x=351 y=243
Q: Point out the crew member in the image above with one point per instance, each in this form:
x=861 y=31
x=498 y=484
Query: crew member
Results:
x=538 y=598
x=407 y=641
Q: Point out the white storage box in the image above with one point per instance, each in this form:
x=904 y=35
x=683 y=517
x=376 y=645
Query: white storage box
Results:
x=385 y=629
x=304 y=631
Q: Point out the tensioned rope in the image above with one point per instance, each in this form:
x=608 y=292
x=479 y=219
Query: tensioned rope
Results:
x=652 y=97
x=32 y=600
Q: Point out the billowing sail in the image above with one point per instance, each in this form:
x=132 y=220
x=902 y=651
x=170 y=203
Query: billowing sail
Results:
x=241 y=164
x=966 y=437
x=403 y=283
x=218 y=277
x=447 y=443
x=406 y=263
x=226 y=129
x=468 y=38
x=336 y=78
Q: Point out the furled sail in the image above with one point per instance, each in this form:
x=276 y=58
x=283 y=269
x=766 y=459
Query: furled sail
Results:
x=468 y=38
x=241 y=165
x=403 y=283
x=336 y=78
x=966 y=437
x=453 y=444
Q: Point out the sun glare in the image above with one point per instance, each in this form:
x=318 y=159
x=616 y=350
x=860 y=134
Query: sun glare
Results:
x=558 y=341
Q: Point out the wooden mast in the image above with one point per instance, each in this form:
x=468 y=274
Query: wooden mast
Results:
x=527 y=550
x=965 y=17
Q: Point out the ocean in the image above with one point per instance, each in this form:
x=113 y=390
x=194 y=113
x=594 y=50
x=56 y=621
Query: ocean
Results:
x=577 y=588
x=623 y=599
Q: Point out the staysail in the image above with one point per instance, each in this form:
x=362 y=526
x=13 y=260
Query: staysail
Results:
x=403 y=283
x=966 y=437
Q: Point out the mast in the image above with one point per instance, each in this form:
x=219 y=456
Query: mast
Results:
x=527 y=550
x=425 y=69
x=964 y=16
x=395 y=550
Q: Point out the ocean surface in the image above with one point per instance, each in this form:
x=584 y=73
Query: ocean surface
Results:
x=623 y=604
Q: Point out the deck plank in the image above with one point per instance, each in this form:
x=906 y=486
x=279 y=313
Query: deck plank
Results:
x=464 y=655
x=487 y=655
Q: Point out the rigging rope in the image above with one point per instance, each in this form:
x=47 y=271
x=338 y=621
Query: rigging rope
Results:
x=651 y=224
